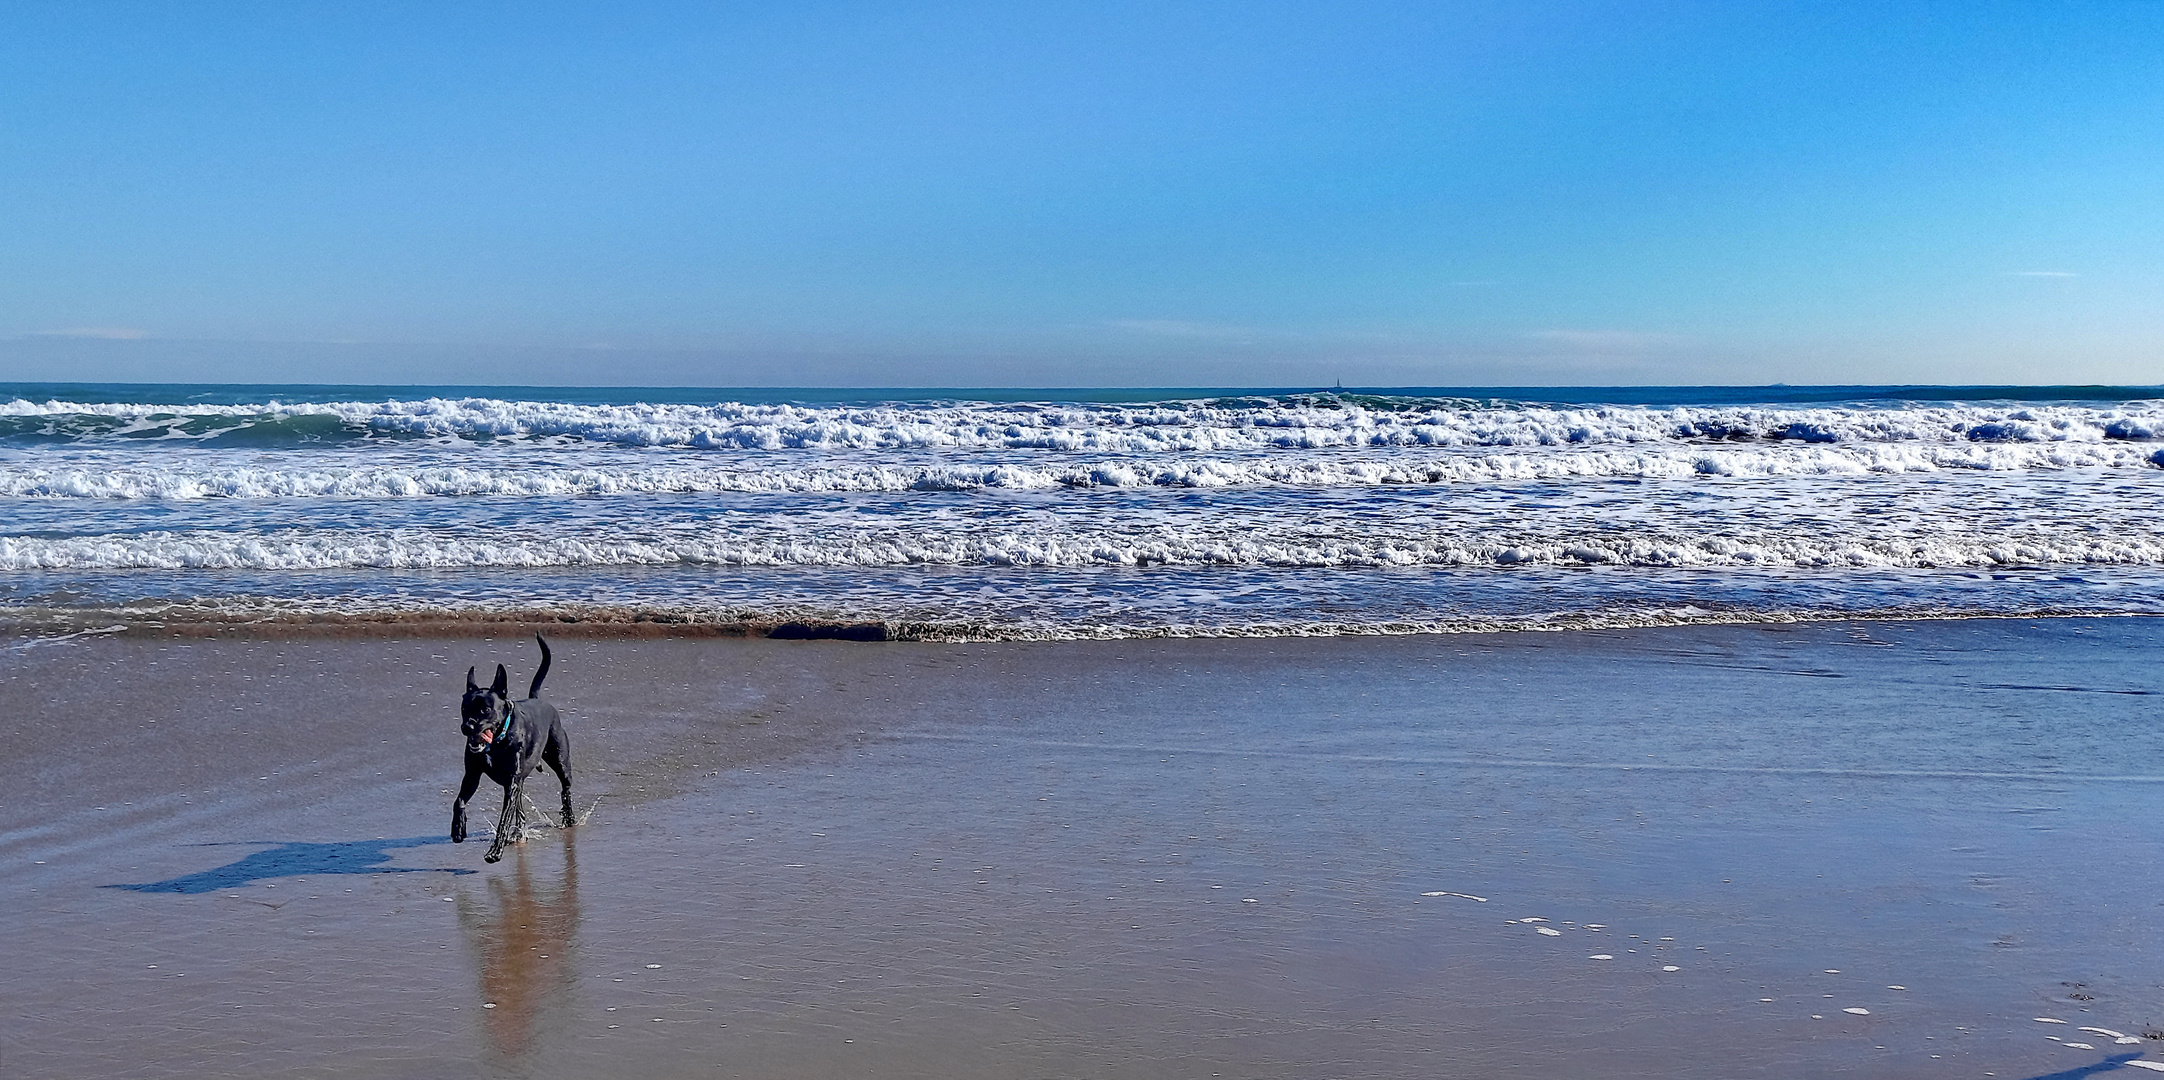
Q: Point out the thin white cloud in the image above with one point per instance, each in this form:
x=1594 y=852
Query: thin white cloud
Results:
x=103 y=333
x=1607 y=340
x=1178 y=328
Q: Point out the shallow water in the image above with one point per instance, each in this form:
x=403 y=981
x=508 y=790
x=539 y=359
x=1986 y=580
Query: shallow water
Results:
x=1102 y=858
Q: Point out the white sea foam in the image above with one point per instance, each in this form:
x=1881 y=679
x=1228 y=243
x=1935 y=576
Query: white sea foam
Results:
x=209 y=476
x=1175 y=426
x=314 y=549
x=1007 y=515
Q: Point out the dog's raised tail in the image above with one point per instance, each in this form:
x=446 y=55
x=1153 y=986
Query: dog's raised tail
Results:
x=534 y=691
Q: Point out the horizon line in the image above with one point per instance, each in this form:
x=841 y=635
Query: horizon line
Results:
x=1096 y=388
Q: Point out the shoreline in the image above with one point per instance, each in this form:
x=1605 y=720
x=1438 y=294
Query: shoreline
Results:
x=612 y=623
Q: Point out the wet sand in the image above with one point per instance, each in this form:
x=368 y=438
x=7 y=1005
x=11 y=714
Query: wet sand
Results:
x=1143 y=858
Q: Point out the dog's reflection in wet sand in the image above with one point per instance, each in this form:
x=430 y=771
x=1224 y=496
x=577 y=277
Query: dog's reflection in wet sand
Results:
x=522 y=935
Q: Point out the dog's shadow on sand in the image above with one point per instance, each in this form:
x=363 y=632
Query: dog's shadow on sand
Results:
x=299 y=860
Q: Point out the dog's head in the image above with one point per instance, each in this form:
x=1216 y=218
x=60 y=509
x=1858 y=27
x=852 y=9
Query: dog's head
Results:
x=481 y=713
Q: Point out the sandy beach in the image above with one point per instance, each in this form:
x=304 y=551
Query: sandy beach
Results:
x=1854 y=849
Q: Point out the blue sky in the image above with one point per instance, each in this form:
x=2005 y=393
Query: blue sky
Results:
x=1068 y=195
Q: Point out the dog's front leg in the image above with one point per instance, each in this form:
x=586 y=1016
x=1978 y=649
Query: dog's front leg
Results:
x=511 y=822
x=465 y=791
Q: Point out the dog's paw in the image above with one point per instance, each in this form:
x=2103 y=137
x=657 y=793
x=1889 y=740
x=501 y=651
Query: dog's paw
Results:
x=493 y=856
x=458 y=838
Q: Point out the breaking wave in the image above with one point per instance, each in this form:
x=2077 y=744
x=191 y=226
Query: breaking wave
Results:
x=1247 y=424
x=344 y=549
x=1246 y=514
x=211 y=480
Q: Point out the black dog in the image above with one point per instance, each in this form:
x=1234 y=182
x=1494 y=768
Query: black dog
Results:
x=503 y=737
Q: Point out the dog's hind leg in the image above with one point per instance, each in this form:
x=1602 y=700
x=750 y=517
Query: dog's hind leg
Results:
x=458 y=808
x=558 y=756
x=511 y=823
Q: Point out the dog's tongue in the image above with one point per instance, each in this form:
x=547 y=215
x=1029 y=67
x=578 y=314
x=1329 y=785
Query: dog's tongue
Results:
x=487 y=736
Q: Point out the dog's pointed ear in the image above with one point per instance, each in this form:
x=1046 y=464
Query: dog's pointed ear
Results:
x=470 y=684
x=503 y=682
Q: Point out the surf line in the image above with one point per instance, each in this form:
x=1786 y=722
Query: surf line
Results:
x=1526 y=763
x=56 y=639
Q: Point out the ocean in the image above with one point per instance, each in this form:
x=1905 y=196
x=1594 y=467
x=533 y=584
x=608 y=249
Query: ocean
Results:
x=1049 y=514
